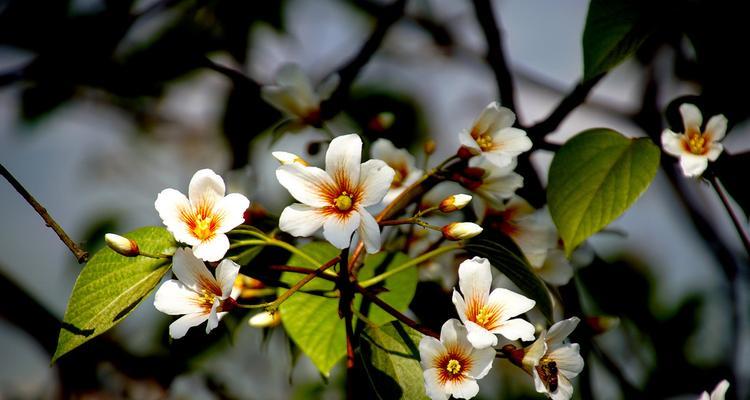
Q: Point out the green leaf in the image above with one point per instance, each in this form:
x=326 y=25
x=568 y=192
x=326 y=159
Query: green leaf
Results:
x=110 y=286
x=594 y=178
x=614 y=30
x=313 y=322
x=391 y=361
x=505 y=255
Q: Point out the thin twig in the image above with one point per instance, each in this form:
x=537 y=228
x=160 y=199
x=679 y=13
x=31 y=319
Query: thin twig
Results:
x=302 y=282
x=495 y=55
x=345 y=312
x=735 y=219
x=302 y=270
x=348 y=73
x=569 y=103
x=401 y=317
x=81 y=255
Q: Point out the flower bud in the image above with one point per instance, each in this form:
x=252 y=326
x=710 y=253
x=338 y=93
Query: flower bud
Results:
x=289 y=158
x=601 y=324
x=429 y=147
x=382 y=121
x=265 y=319
x=122 y=245
x=461 y=230
x=454 y=202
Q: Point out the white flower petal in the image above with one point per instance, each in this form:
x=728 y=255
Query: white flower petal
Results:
x=307 y=185
x=692 y=119
x=212 y=249
x=497 y=188
x=206 y=185
x=494 y=117
x=479 y=337
x=494 y=159
x=556 y=269
x=509 y=303
x=192 y=272
x=433 y=388
x=286 y=100
x=535 y=352
x=179 y=328
x=465 y=139
x=720 y=391
x=714 y=151
x=430 y=349
x=213 y=317
x=538 y=384
x=226 y=274
x=464 y=389
x=343 y=160
x=174 y=298
x=232 y=211
x=672 y=143
x=328 y=86
x=369 y=231
x=291 y=75
x=693 y=165
x=564 y=389
x=568 y=359
x=475 y=278
x=512 y=141
x=561 y=330
x=481 y=362
x=301 y=220
x=704 y=396
x=716 y=127
x=460 y=304
x=170 y=204
x=374 y=181
x=515 y=329
x=338 y=229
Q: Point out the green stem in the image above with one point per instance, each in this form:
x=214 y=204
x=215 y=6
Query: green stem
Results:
x=149 y=255
x=252 y=242
x=414 y=261
x=259 y=235
x=288 y=247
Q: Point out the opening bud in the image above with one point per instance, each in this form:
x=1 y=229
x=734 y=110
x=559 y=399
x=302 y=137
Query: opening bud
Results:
x=454 y=202
x=266 y=319
x=289 y=158
x=122 y=245
x=461 y=230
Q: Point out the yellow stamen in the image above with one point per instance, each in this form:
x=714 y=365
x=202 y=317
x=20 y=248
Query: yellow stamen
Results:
x=453 y=366
x=203 y=229
x=485 y=142
x=696 y=143
x=483 y=316
x=343 y=202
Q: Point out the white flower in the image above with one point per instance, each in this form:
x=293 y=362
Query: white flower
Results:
x=552 y=363
x=452 y=365
x=196 y=293
x=265 y=319
x=335 y=199
x=401 y=161
x=203 y=220
x=498 y=184
x=461 y=230
x=532 y=230
x=695 y=148
x=719 y=392
x=293 y=94
x=486 y=314
x=556 y=269
x=493 y=137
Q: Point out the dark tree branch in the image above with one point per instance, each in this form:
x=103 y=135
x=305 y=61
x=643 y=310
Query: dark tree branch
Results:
x=727 y=205
x=569 y=103
x=80 y=254
x=401 y=317
x=495 y=55
x=348 y=73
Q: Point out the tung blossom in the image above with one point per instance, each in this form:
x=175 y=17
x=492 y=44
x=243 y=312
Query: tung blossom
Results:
x=486 y=313
x=452 y=365
x=552 y=363
x=493 y=138
x=695 y=147
x=196 y=294
x=294 y=95
x=402 y=163
x=203 y=220
x=335 y=199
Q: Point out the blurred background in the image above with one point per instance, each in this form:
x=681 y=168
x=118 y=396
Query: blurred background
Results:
x=105 y=103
